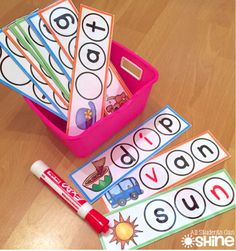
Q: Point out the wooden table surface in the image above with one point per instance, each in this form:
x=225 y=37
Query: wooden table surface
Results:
x=191 y=43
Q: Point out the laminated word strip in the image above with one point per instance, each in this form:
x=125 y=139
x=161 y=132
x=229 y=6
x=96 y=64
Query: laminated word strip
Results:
x=46 y=38
x=44 y=58
x=61 y=19
x=20 y=83
x=89 y=77
x=23 y=44
x=117 y=92
x=46 y=81
x=45 y=94
x=98 y=175
x=169 y=212
x=167 y=169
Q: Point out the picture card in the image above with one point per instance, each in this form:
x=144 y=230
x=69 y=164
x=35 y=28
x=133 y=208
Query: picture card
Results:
x=61 y=19
x=169 y=212
x=25 y=44
x=20 y=83
x=63 y=65
x=99 y=174
x=89 y=77
x=167 y=169
x=44 y=59
x=37 y=73
x=117 y=92
x=45 y=94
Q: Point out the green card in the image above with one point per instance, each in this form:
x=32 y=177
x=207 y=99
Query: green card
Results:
x=169 y=212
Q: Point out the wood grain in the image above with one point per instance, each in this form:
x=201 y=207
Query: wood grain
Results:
x=191 y=43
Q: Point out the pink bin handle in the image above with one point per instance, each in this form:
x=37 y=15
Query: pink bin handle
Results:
x=135 y=84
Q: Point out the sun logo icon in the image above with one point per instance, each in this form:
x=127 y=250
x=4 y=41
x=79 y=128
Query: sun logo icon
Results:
x=124 y=231
x=187 y=241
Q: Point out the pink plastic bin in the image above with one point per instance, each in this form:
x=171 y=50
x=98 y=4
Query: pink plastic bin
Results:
x=93 y=137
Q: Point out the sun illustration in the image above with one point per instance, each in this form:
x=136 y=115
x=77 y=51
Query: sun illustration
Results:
x=124 y=231
x=187 y=241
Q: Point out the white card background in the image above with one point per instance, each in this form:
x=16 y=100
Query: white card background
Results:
x=167 y=169
x=48 y=40
x=33 y=71
x=44 y=96
x=166 y=213
x=92 y=57
x=118 y=165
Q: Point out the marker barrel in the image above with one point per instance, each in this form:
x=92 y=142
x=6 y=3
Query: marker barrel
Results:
x=73 y=199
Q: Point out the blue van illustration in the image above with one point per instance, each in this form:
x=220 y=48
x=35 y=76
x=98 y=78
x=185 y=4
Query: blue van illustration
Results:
x=125 y=190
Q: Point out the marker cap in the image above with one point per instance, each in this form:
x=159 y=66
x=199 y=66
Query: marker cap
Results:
x=38 y=168
x=97 y=221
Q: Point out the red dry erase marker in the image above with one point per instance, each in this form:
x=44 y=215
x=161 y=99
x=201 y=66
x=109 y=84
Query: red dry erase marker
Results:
x=73 y=199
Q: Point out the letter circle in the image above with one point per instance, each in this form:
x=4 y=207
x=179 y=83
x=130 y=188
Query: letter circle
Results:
x=39 y=95
x=65 y=27
x=7 y=69
x=171 y=162
x=151 y=211
x=58 y=102
x=12 y=47
x=171 y=126
x=190 y=210
x=94 y=82
x=65 y=61
x=95 y=27
x=54 y=65
x=71 y=47
x=153 y=175
x=45 y=31
x=92 y=56
x=124 y=158
x=196 y=153
x=219 y=183
x=146 y=139
x=109 y=78
x=36 y=75
x=34 y=37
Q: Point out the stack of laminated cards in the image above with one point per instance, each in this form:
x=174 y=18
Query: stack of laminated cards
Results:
x=59 y=58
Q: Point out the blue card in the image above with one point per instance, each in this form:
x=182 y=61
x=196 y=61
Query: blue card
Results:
x=98 y=175
x=20 y=83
